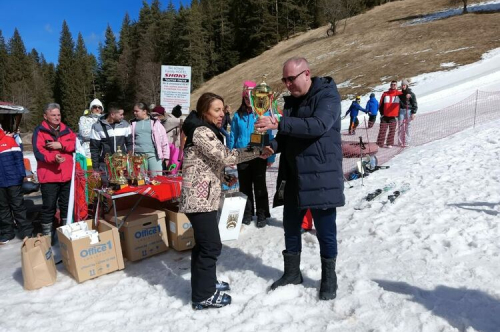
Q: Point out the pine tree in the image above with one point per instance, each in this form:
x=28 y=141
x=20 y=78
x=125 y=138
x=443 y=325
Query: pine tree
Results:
x=84 y=71
x=18 y=76
x=3 y=67
x=108 y=68
x=41 y=90
x=66 y=89
x=126 y=64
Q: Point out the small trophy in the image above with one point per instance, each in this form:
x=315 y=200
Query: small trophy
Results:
x=136 y=177
x=261 y=100
x=117 y=164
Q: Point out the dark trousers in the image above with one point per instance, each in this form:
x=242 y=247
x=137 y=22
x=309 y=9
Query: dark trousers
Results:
x=54 y=194
x=387 y=123
x=371 y=120
x=12 y=208
x=353 y=125
x=204 y=254
x=324 y=222
x=252 y=180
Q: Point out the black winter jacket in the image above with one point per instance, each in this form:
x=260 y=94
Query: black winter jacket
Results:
x=310 y=144
x=118 y=134
x=411 y=103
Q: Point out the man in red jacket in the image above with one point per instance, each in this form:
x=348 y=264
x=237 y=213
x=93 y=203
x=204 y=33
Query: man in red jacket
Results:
x=53 y=146
x=389 y=112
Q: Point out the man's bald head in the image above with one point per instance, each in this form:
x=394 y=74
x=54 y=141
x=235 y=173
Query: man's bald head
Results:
x=297 y=76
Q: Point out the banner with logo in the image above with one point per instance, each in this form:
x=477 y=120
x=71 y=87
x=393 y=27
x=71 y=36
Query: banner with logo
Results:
x=175 y=87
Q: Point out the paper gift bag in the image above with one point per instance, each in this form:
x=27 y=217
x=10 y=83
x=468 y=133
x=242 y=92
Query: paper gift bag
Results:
x=230 y=215
x=38 y=265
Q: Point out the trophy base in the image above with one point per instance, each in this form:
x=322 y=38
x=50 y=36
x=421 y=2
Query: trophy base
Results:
x=117 y=186
x=138 y=182
x=259 y=140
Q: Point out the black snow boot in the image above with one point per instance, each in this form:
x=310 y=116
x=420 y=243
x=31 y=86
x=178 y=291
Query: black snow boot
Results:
x=292 y=274
x=328 y=289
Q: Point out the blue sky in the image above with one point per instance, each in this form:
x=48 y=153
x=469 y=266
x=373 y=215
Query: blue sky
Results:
x=39 y=22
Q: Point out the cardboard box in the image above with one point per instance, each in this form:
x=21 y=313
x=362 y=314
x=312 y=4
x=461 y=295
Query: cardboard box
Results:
x=143 y=234
x=230 y=215
x=180 y=232
x=85 y=261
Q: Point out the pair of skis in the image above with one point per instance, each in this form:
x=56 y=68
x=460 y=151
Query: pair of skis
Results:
x=365 y=202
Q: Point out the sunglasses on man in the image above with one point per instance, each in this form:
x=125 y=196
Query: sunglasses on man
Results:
x=99 y=107
x=291 y=79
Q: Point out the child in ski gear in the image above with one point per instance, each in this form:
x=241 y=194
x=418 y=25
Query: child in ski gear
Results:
x=354 y=110
x=389 y=112
x=407 y=109
x=372 y=110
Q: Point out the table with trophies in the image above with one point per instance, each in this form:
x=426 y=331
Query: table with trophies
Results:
x=128 y=175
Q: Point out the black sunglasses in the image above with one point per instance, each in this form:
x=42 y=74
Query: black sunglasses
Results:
x=292 y=78
x=95 y=106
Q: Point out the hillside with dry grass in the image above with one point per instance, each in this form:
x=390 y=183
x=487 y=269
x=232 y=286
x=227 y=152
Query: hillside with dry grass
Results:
x=376 y=47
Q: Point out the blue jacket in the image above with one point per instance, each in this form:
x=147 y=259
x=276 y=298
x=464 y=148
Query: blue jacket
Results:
x=354 y=109
x=310 y=144
x=242 y=126
x=372 y=106
x=11 y=162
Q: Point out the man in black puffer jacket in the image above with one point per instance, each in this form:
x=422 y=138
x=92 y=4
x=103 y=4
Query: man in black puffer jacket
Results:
x=310 y=166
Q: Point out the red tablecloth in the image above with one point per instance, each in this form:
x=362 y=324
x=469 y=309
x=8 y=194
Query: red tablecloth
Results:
x=169 y=188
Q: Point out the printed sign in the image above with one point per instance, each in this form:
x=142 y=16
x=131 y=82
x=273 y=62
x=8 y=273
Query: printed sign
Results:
x=175 y=87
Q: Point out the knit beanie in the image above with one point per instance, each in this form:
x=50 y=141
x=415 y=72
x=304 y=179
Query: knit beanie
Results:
x=248 y=85
x=96 y=102
x=405 y=82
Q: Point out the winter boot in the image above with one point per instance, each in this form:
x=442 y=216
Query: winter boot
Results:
x=261 y=220
x=328 y=289
x=222 y=286
x=218 y=300
x=292 y=274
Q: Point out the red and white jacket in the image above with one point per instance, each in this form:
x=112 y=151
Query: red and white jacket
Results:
x=11 y=162
x=389 y=103
x=48 y=169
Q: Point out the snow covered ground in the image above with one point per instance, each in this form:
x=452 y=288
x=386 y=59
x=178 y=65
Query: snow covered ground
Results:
x=429 y=262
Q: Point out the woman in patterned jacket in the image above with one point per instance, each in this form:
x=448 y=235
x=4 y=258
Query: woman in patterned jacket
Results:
x=205 y=157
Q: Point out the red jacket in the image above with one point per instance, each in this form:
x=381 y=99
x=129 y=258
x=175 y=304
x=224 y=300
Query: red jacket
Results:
x=48 y=169
x=389 y=103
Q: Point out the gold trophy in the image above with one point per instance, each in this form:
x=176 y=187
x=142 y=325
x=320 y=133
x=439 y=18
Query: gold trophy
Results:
x=261 y=100
x=117 y=164
x=136 y=177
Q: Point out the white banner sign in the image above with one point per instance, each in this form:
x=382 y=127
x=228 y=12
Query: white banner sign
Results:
x=175 y=87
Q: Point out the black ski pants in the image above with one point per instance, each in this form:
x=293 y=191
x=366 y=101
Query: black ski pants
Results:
x=204 y=255
x=252 y=180
x=12 y=208
x=54 y=194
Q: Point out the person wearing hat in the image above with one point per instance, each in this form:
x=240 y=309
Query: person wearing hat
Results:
x=407 y=109
x=354 y=110
x=252 y=173
x=86 y=122
x=372 y=110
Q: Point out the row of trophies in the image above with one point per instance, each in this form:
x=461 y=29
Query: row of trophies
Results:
x=262 y=100
x=119 y=162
